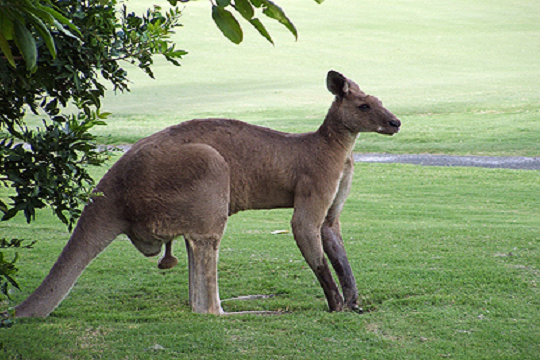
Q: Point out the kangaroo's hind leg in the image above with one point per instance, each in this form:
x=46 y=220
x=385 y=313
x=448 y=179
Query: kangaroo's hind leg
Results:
x=203 y=279
x=210 y=213
x=181 y=190
x=204 y=221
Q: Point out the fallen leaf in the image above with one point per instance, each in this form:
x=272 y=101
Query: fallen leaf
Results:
x=156 y=347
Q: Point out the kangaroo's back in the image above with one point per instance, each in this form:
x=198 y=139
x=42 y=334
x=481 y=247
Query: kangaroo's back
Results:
x=264 y=163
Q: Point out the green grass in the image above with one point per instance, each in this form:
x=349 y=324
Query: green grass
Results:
x=463 y=77
x=446 y=261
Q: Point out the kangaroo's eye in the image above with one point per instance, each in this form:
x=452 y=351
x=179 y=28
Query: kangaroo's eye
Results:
x=364 y=107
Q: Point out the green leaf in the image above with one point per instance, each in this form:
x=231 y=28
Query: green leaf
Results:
x=44 y=32
x=64 y=30
x=60 y=18
x=223 y=3
x=257 y=3
x=26 y=44
x=261 y=29
x=41 y=14
x=228 y=25
x=6 y=50
x=103 y=115
x=3 y=206
x=177 y=53
x=275 y=12
x=6 y=26
x=12 y=281
x=9 y=214
x=244 y=8
x=319 y=1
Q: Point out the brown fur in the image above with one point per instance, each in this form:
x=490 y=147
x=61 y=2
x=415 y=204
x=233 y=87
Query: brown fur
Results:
x=188 y=179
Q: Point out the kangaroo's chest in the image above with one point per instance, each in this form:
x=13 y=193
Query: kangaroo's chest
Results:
x=267 y=185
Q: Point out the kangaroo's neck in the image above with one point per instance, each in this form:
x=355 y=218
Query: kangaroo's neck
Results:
x=334 y=131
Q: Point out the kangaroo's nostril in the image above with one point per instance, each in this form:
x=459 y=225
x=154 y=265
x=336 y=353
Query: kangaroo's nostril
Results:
x=395 y=123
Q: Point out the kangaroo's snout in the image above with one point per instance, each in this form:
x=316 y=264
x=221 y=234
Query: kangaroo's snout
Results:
x=391 y=127
x=395 y=123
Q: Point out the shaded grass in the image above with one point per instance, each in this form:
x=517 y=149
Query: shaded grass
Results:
x=446 y=261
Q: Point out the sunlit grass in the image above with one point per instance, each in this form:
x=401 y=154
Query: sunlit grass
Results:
x=464 y=77
x=446 y=259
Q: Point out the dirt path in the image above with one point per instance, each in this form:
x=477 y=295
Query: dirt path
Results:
x=511 y=162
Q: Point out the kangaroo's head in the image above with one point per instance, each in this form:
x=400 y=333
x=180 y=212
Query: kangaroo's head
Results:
x=360 y=112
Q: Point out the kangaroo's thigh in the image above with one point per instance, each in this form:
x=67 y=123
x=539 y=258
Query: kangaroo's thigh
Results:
x=171 y=193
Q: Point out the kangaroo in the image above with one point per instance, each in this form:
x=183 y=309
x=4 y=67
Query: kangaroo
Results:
x=189 y=178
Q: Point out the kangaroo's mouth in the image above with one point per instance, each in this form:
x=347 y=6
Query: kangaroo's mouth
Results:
x=392 y=128
x=389 y=132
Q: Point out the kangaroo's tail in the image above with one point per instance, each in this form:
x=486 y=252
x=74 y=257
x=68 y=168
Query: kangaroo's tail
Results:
x=95 y=230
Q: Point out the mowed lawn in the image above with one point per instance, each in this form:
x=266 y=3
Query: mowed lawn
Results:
x=462 y=76
x=447 y=260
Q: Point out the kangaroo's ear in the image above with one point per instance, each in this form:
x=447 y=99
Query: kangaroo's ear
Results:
x=337 y=84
